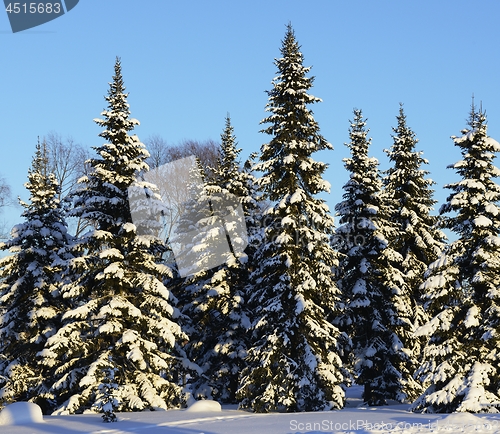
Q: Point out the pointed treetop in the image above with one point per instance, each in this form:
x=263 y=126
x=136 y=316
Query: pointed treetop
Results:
x=289 y=44
x=476 y=117
x=291 y=62
x=117 y=115
x=40 y=160
x=229 y=152
x=117 y=85
x=357 y=131
x=402 y=116
x=404 y=141
x=286 y=159
x=472 y=120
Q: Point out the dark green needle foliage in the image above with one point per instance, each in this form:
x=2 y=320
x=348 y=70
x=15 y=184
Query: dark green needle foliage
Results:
x=294 y=359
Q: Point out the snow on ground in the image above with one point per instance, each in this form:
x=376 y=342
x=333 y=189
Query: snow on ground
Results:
x=208 y=419
x=204 y=406
x=21 y=413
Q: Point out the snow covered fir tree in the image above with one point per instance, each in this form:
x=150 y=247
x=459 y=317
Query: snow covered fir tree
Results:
x=410 y=195
x=462 y=289
x=294 y=358
x=370 y=278
x=31 y=276
x=121 y=317
x=411 y=231
x=216 y=306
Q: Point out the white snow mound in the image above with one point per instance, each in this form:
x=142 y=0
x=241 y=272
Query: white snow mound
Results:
x=204 y=406
x=462 y=419
x=20 y=413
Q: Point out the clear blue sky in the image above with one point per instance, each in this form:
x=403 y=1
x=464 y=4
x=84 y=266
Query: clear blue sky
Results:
x=186 y=64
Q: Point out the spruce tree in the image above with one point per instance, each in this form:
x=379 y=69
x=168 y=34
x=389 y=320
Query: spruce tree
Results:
x=197 y=230
x=217 y=306
x=31 y=276
x=410 y=194
x=413 y=233
x=369 y=275
x=461 y=360
x=121 y=317
x=293 y=362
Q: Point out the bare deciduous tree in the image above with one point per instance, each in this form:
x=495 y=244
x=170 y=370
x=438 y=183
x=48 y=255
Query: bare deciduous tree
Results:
x=66 y=160
x=5 y=200
x=5 y=194
x=158 y=151
x=166 y=177
x=162 y=153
